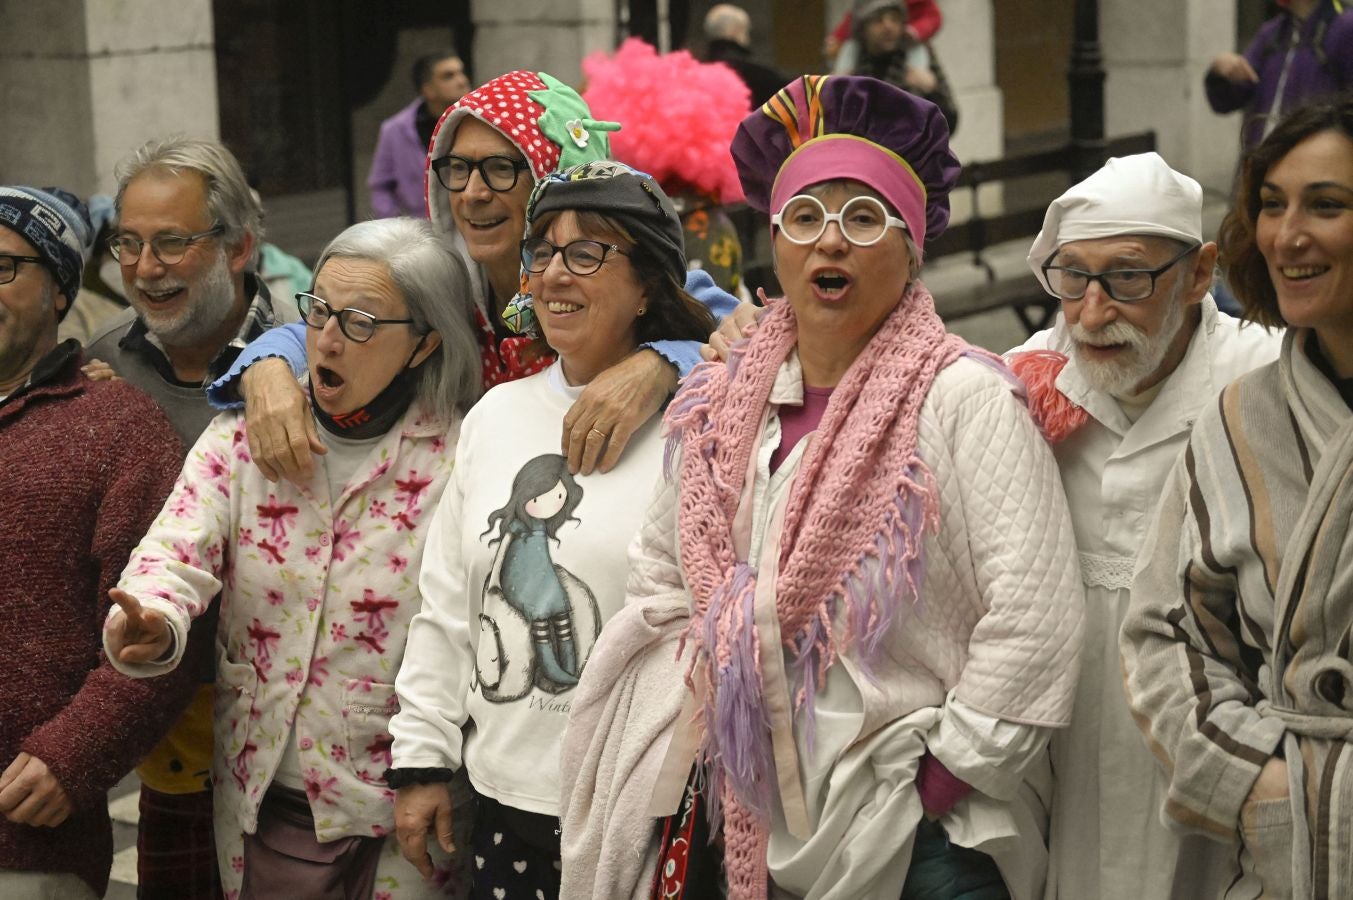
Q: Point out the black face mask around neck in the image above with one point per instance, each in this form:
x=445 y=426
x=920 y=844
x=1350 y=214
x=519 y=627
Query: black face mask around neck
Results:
x=380 y=414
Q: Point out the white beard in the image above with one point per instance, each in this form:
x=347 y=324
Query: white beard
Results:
x=1119 y=377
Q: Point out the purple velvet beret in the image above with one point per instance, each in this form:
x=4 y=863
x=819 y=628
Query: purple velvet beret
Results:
x=820 y=128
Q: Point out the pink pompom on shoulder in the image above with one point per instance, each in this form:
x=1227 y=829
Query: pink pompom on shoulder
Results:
x=1054 y=413
x=677 y=115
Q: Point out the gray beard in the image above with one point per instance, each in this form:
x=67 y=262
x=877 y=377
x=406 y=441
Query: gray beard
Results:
x=211 y=301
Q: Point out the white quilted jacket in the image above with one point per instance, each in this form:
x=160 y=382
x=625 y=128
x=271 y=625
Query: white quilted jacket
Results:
x=1000 y=616
x=998 y=625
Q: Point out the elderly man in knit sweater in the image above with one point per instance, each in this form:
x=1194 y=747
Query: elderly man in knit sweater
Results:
x=84 y=466
x=1138 y=351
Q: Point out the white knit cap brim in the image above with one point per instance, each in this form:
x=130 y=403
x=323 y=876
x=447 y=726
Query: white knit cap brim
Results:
x=1137 y=195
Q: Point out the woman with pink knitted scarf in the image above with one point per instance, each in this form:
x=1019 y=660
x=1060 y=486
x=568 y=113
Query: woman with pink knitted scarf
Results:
x=861 y=567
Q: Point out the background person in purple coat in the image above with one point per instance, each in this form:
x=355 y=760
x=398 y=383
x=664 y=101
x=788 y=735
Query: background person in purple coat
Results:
x=396 y=179
x=1302 y=54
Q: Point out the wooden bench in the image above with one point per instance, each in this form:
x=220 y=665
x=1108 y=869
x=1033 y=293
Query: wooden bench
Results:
x=997 y=274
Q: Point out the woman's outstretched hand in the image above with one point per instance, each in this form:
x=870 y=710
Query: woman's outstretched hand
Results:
x=136 y=634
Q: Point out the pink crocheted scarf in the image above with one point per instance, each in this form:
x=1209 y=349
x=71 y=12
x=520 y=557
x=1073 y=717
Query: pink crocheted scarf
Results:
x=853 y=531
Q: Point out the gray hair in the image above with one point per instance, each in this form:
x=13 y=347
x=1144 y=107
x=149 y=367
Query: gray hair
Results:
x=436 y=288
x=231 y=203
x=914 y=263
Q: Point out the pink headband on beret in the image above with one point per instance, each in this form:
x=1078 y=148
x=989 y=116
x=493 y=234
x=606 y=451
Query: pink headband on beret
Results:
x=834 y=156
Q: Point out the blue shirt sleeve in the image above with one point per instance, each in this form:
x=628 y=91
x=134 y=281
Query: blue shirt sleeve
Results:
x=685 y=355
x=286 y=342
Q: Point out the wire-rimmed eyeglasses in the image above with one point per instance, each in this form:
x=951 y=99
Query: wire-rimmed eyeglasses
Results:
x=168 y=248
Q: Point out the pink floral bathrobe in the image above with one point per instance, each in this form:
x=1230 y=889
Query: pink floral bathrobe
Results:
x=316 y=597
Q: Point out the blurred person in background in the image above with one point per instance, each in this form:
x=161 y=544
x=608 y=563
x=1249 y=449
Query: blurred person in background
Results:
x=888 y=51
x=400 y=160
x=728 y=40
x=842 y=50
x=99 y=300
x=1302 y=54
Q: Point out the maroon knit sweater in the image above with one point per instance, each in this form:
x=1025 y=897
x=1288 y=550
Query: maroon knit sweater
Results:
x=84 y=469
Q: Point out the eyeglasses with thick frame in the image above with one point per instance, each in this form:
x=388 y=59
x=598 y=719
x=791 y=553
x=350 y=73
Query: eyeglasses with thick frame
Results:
x=1069 y=284
x=500 y=173
x=356 y=325
x=581 y=257
x=804 y=219
x=168 y=248
x=9 y=265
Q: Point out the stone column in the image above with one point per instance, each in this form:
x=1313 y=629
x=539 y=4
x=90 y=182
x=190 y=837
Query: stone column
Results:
x=1156 y=53
x=553 y=37
x=966 y=49
x=82 y=82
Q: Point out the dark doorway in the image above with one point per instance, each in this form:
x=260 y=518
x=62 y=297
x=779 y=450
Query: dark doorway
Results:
x=302 y=86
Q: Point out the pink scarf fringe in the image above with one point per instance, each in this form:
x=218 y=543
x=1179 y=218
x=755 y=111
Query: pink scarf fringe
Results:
x=853 y=532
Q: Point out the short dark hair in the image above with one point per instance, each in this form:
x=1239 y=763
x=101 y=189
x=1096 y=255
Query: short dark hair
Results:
x=1243 y=265
x=423 y=66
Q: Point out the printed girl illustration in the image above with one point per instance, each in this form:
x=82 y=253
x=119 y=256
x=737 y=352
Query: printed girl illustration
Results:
x=539 y=620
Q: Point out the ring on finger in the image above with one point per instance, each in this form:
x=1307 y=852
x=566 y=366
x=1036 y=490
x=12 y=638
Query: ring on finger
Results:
x=599 y=433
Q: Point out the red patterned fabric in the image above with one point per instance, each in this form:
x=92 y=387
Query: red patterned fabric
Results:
x=506 y=360
x=175 y=850
x=505 y=104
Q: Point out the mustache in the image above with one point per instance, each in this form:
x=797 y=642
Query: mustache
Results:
x=1113 y=333
x=160 y=284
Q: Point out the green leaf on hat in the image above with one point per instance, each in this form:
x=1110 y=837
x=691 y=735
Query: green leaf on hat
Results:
x=568 y=122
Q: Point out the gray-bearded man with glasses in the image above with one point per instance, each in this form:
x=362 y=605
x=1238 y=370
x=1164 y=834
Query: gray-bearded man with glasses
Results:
x=1139 y=349
x=187 y=239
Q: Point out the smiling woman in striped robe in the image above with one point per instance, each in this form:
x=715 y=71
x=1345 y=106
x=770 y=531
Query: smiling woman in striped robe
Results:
x=1236 y=648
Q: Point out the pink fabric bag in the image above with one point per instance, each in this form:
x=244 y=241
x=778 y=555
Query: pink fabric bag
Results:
x=284 y=859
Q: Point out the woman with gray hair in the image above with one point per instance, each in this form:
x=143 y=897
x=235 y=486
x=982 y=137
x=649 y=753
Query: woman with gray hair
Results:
x=318 y=580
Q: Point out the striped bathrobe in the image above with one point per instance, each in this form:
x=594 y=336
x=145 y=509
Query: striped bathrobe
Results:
x=1252 y=550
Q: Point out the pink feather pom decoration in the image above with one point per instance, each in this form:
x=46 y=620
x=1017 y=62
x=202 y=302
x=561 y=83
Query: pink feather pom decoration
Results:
x=678 y=116
x=1054 y=413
